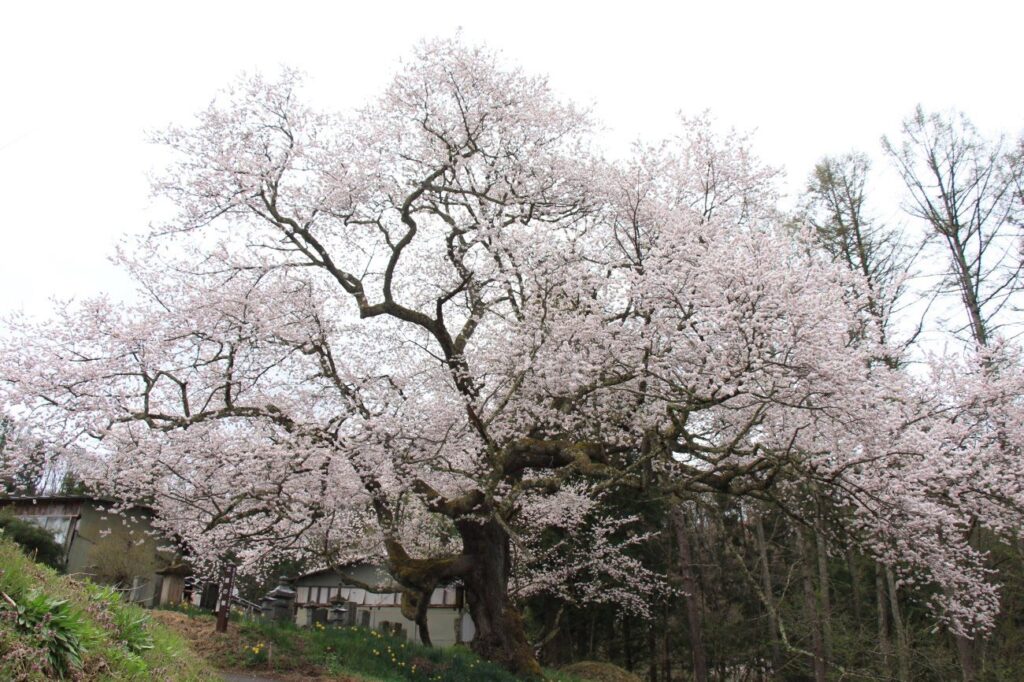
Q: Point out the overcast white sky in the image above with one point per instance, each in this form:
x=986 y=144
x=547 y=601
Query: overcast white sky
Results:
x=81 y=82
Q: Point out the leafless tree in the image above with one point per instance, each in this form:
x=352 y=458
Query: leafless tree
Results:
x=834 y=205
x=965 y=188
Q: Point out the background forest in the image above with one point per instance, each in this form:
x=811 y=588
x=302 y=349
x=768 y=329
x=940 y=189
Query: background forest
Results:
x=763 y=587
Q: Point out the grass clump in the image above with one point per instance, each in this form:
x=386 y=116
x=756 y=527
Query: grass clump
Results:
x=129 y=624
x=52 y=626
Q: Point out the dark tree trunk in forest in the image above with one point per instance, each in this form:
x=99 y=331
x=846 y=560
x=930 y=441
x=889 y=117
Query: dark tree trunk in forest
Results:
x=611 y=640
x=666 y=650
x=856 y=591
x=591 y=634
x=768 y=597
x=902 y=636
x=883 y=619
x=824 y=596
x=627 y=637
x=500 y=636
x=652 y=648
x=807 y=563
x=691 y=588
x=555 y=645
x=965 y=653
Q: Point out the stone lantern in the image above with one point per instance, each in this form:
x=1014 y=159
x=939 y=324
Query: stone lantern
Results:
x=277 y=604
x=336 y=615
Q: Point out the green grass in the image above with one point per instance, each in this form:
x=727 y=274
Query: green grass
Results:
x=360 y=652
x=353 y=652
x=53 y=627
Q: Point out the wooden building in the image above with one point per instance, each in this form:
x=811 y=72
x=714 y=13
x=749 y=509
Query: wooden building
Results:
x=109 y=546
x=370 y=598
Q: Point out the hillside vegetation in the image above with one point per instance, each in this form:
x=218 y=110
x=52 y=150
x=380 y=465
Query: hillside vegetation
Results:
x=56 y=627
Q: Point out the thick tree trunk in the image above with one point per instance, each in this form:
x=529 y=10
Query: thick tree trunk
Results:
x=499 y=626
x=415 y=603
x=424 y=630
x=692 y=598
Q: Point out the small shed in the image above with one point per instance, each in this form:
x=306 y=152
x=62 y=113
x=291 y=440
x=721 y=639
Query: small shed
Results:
x=107 y=544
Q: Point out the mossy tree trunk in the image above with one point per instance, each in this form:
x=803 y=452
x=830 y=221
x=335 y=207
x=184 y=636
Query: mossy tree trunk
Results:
x=500 y=636
x=483 y=567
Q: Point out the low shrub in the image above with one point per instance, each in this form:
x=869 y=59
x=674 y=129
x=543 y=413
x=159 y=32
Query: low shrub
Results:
x=37 y=542
x=599 y=671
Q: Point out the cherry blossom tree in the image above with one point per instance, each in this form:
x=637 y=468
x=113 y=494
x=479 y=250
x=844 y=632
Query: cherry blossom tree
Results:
x=433 y=327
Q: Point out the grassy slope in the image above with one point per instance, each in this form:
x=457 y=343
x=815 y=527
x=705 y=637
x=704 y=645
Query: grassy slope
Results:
x=119 y=641
x=116 y=641
x=335 y=654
